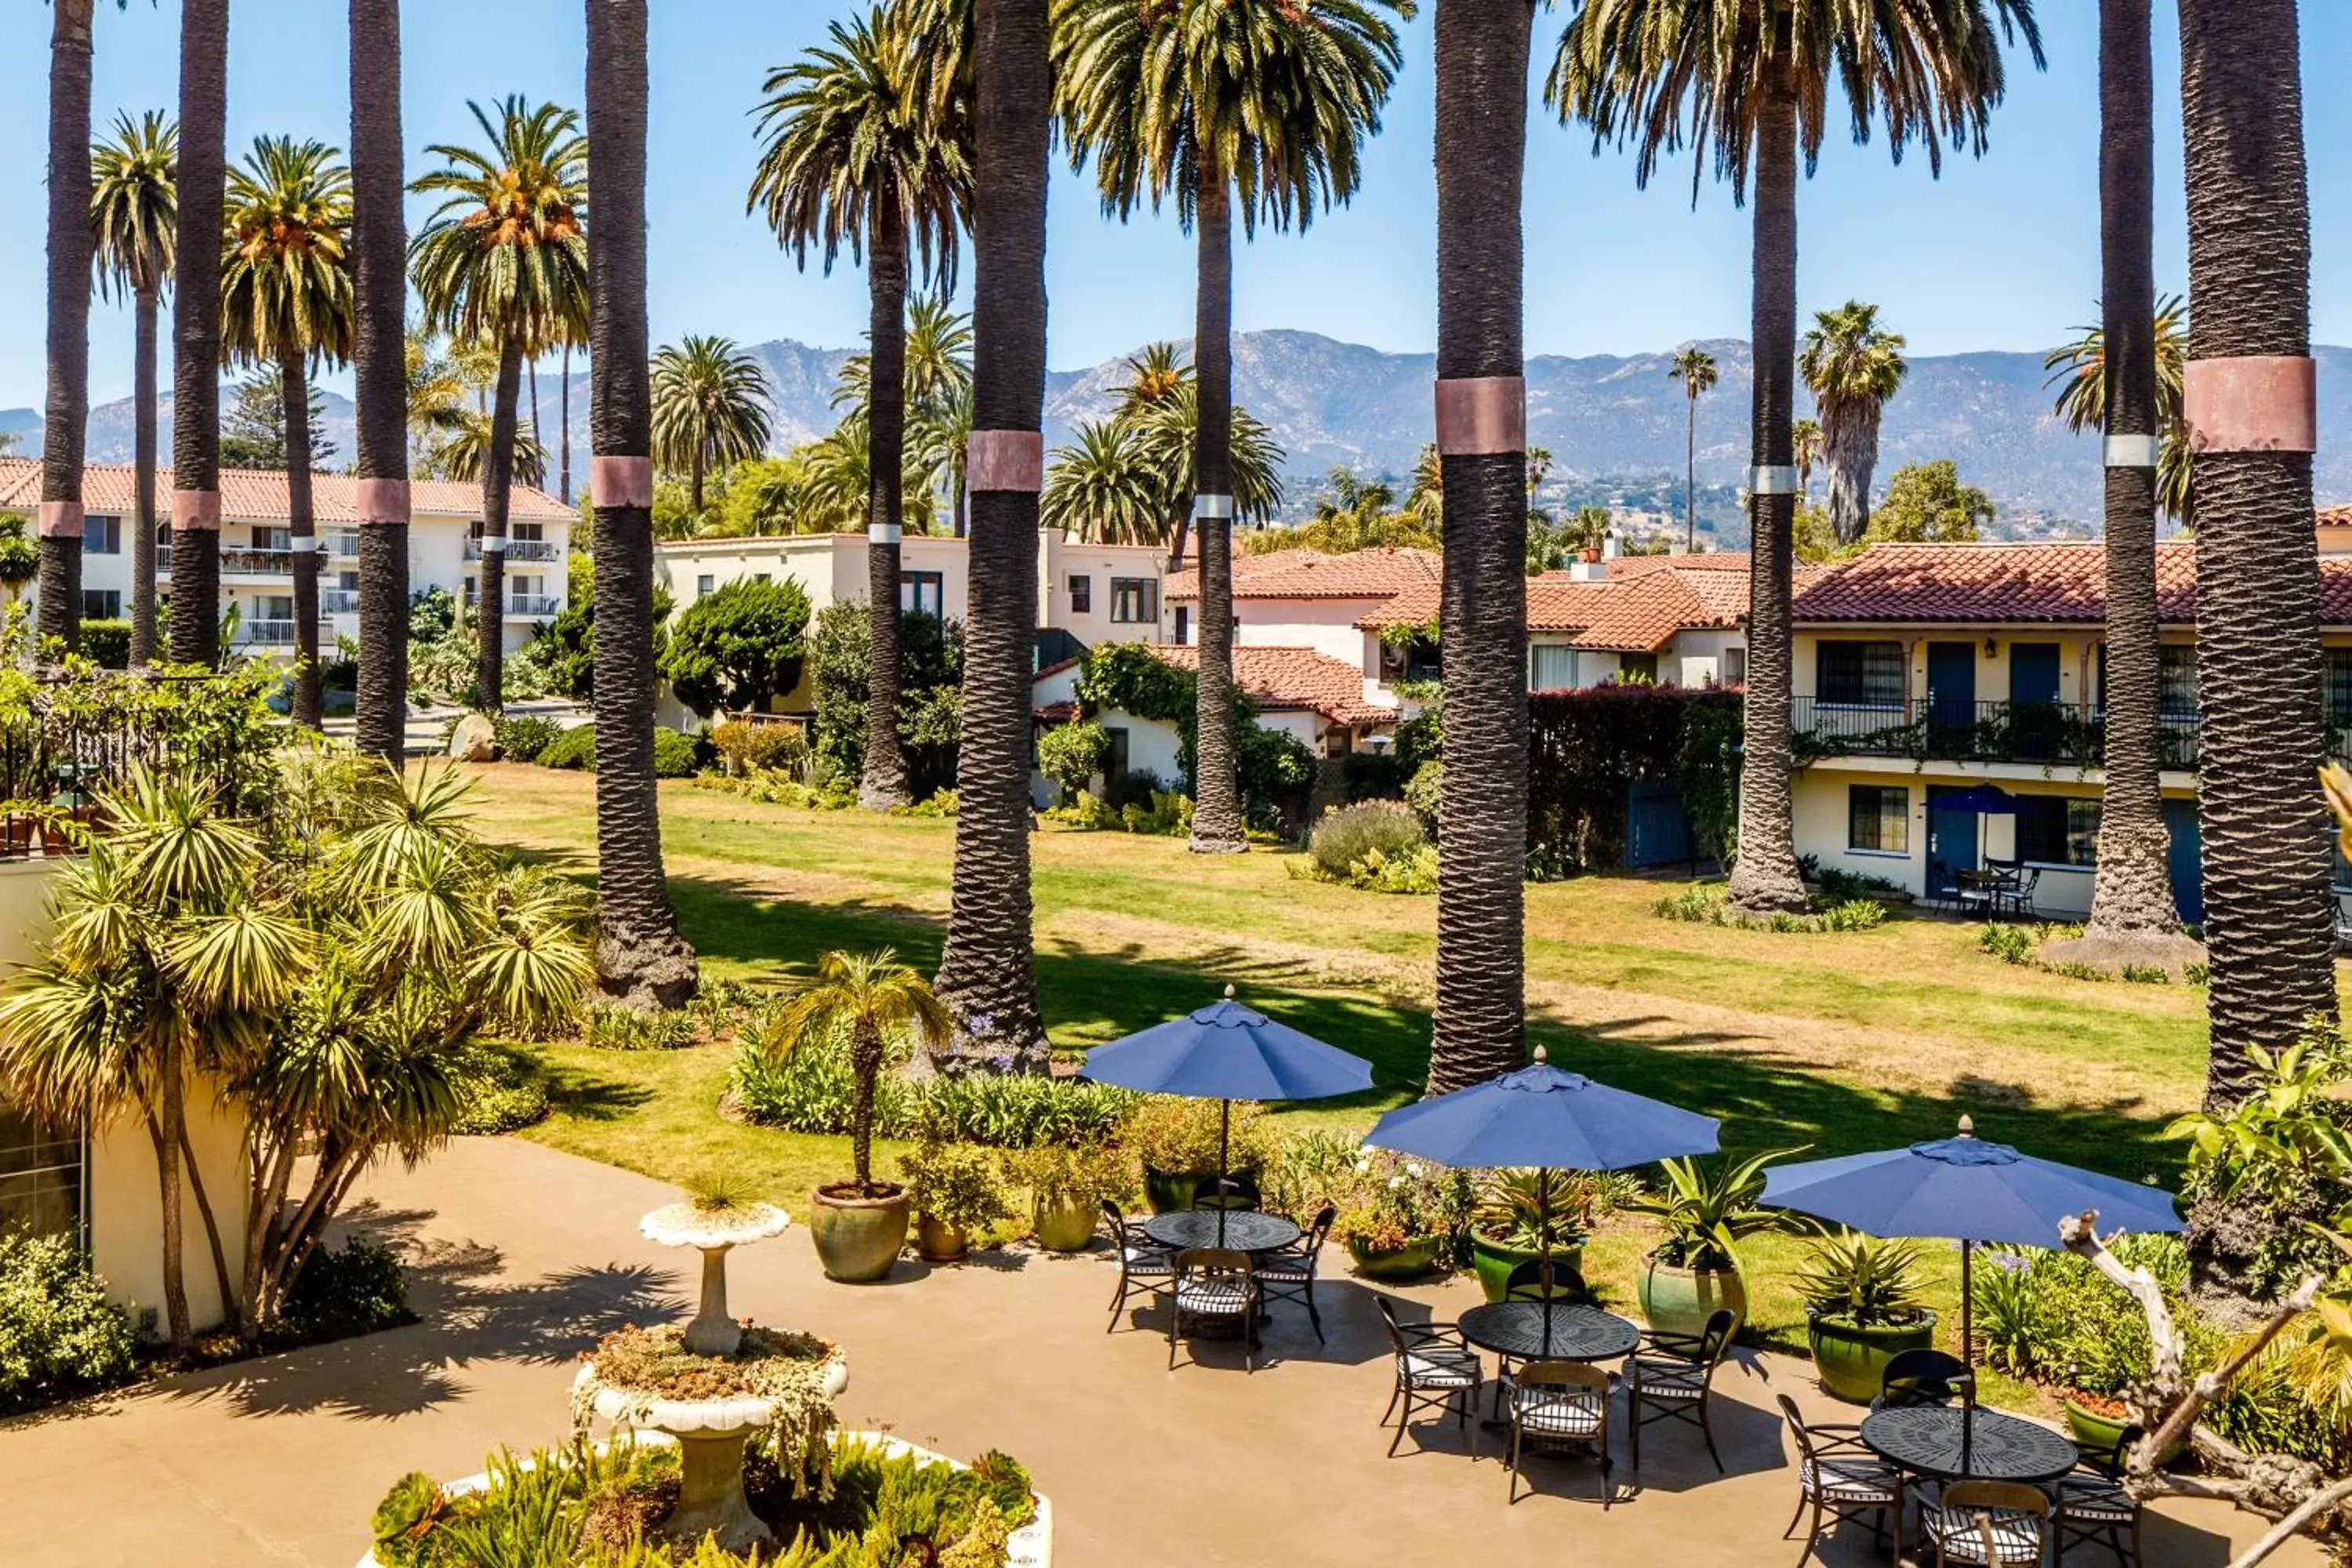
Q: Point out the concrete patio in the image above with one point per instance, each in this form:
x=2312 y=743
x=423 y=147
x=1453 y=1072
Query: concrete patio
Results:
x=525 y=1254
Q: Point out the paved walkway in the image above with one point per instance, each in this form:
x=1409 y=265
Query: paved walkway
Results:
x=528 y=1254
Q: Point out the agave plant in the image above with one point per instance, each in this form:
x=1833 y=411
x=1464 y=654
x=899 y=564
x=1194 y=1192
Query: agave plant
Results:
x=1535 y=1210
x=1707 y=1210
x=1866 y=1280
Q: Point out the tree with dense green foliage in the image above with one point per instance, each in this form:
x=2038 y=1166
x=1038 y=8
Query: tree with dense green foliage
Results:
x=1852 y=366
x=134 y=218
x=1070 y=755
x=253 y=428
x=1695 y=369
x=738 y=645
x=565 y=648
x=1926 y=504
x=710 y=409
x=287 y=302
x=930 y=674
x=1358 y=513
x=20 y=557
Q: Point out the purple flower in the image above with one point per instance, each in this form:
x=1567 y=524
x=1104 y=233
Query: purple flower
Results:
x=980 y=1023
x=1002 y=1061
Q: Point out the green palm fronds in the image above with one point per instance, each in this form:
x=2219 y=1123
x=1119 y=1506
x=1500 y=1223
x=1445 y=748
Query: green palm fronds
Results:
x=504 y=259
x=134 y=204
x=286 y=275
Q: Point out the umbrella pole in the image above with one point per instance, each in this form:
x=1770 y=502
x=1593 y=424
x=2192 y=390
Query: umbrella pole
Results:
x=1224 y=1160
x=1543 y=1250
x=1968 y=1305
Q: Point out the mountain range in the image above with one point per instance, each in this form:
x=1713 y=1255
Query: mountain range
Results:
x=1606 y=419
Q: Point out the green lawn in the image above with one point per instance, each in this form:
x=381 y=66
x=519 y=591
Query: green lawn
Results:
x=1839 y=1043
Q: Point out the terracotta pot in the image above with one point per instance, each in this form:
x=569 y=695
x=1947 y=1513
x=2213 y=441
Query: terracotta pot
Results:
x=936 y=1241
x=857 y=1237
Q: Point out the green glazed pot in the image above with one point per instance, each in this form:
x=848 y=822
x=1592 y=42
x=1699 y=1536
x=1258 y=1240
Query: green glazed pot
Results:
x=1851 y=1360
x=1063 y=1225
x=1411 y=1261
x=1168 y=1192
x=857 y=1238
x=2093 y=1430
x=1680 y=1301
x=1493 y=1262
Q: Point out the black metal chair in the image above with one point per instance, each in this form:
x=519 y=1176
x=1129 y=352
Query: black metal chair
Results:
x=1670 y=1375
x=1561 y=1404
x=1990 y=1524
x=2094 y=1509
x=1225 y=1192
x=1840 y=1479
x=1433 y=1367
x=2017 y=896
x=1215 y=1284
x=1143 y=1264
x=1287 y=1273
x=1929 y=1377
x=1538 y=1278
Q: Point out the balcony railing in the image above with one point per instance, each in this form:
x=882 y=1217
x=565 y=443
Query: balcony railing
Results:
x=532 y=605
x=1940 y=729
x=520 y=550
x=256 y=563
x=338 y=601
x=344 y=546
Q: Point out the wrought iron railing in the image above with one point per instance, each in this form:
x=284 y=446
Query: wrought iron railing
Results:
x=338 y=601
x=532 y=605
x=520 y=550
x=257 y=563
x=1942 y=730
x=71 y=745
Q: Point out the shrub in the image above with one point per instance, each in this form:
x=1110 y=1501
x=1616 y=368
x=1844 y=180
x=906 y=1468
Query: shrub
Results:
x=1178 y=1137
x=1414 y=871
x=498 y=1090
x=1070 y=756
x=1072 y=1173
x=521 y=739
x=60 y=1336
x=957 y=1185
x=618 y=1029
x=1855 y=914
x=355 y=1289
x=738 y=645
x=1090 y=811
x=107 y=643
x=2010 y=945
x=941 y=804
x=1169 y=815
x=1864 y=1280
x=749 y=747
x=1421 y=790
x=2197 y=973
x=2147 y=973
x=1347 y=834
x=676 y=756
x=575 y=748
x=2073 y=968
x=1699 y=906
x=814 y=1090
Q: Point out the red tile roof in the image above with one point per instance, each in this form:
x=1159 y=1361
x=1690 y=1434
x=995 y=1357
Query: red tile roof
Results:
x=259 y=496
x=1637 y=608
x=1292 y=678
x=2336 y=516
x=1989 y=583
x=1375 y=574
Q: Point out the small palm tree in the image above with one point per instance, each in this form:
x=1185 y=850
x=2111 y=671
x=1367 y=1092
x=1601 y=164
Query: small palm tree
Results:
x=287 y=302
x=134 y=215
x=502 y=267
x=1104 y=486
x=872 y=997
x=1167 y=426
x=1695 y=368
x=1852 y=366
x=710 y=409
x=1805 y=451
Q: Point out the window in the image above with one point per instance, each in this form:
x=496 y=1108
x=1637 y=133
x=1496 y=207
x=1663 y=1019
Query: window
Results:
x=1115 y=765
x=1860 y=674
x=528 y=532
x=1134 y=600
x=273 y=537
x=101 y=604
x=1183 y=625
x=2339 y=685
x=1551 y=667
x=274 y=607
x=1735 y=667
x=2056 y=831
x=40 y=1176
x=1878 y=818
x=1338 y=743
x=1082 y=594
x=924 y=593
x=2176 y=681
x=101 y=535
x=703 y=585
x=1641 y=668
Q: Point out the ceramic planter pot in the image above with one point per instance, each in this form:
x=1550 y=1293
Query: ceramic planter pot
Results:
x=1168 y=1192
x=857 y=1238
x=2093 y=1429
x=1411 y=1261
x=1852 y=1359
x=1063 y=1225
x=1676 y=1301
x=1493 y=1262
x=939 y=1242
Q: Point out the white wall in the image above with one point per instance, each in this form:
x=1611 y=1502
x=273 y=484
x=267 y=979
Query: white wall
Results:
x=1326 y=625
x=1821 y=800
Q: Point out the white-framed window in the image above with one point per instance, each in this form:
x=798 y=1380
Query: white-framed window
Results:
x=1134 y=601
x=101 y=535
x=1878 y=818
x=1735 y=667
x=101 y=603
x=272 y=538
x=528 y=532
x=705 y=585
x=1551 y=667
x=1082 y=594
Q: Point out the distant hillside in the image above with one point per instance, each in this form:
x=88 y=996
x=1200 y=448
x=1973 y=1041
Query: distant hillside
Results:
x=1613 y=425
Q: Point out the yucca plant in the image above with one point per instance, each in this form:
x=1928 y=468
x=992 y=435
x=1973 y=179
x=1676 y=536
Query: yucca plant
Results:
x=1707 y=1210
x=1535 y=1210
x=1866 y=1281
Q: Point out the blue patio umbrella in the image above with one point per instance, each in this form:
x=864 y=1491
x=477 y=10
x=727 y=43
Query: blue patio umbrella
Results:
x=1544 y=1117
x=1226 y=1052
x=1962 y=1189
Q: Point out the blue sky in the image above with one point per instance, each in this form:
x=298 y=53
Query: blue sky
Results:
x=2000 y=253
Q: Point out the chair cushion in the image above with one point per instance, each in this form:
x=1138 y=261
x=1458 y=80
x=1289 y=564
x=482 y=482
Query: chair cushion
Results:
x=1855 y=1481
x=1286 y=1272
x=2017 y=1537
x=2095 y=1499
x=1555 y=1412
x=1149 y=1261
x=1225 y=1298
x=1668 y=1379
x=1441 y=1366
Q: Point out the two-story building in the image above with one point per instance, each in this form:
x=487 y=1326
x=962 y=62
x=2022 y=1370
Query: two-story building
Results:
x=256 y=576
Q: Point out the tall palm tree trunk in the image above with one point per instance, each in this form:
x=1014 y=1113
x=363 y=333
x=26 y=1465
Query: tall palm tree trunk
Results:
x=531 y=367
x=883 y=782
x=1850 y=448
x=144 y=308
x=1690 y=470
x=988 y=971
x=640 y=956
x=1482 y=72
x=1765 y=877
x=498 y=489
x=2250 y=411
x=1216 y=790
x=563 y=430
x=67 y=417
x=2131 y=897
x=196 y=333
x=380 y=376
x=294 y=399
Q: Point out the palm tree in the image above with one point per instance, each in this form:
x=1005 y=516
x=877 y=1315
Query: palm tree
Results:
x=640 y=955
x=286 y=302
x=1853 y=368
x=2267 y=868
x=869 y=997
x=988 y=968
x=380 y=377
x=838 y=479
x=1695 y=368
x=710 y=409
x=196 y=336
x=1196 y=101
x=464 y=453
x=857 y=152
x=1103 y=488
x=1805 y=451
x=435 y=392
x=134 y=226
x=503 y=263
x=2079 y=370
x=1754 y=78
x=67 y=412
x=1169 y=425
x=939 y=440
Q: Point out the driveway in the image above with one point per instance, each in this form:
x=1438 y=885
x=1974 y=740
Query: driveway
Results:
x=524 y=1255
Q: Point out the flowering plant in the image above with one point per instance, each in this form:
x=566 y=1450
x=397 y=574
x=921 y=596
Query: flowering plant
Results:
x=1392 y=1201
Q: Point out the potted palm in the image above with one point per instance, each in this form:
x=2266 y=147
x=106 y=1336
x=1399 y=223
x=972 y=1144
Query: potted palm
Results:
x=956 y=1194
x=1521 y=1216
x=1705 y=1212
x=1067 y=1182
x=858 y=1226
x=1864 y=1307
